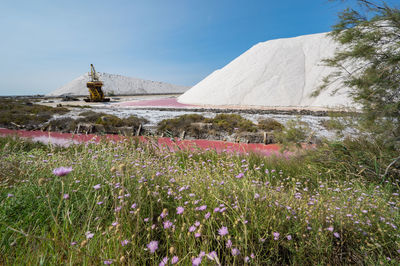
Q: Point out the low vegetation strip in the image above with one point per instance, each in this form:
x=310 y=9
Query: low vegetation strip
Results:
x=133 y=203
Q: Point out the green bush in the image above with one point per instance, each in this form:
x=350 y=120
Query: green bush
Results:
x=108 y=120
x=221 y=123
x=26 y=114
x=232 y=122
x=181 y=123
x=270 y=124
x=295 y=132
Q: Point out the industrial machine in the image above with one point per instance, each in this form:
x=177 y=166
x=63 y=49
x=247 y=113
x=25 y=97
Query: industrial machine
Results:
x=94 y=85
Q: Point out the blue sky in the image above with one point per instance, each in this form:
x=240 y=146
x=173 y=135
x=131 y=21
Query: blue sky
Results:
x=45 y=44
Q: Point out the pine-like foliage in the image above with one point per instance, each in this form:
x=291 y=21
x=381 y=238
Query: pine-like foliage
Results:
x=368 y=62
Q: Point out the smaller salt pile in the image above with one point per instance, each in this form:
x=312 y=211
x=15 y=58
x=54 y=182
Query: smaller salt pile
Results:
x=118 y=85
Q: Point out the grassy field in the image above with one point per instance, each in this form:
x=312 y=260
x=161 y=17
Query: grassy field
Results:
x=136 y=204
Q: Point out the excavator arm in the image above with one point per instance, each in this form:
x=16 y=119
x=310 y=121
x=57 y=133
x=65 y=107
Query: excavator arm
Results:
x=94 y=85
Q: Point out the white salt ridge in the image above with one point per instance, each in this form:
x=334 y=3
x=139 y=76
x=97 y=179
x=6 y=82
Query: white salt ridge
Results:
x=118 y=85
x=277 y=73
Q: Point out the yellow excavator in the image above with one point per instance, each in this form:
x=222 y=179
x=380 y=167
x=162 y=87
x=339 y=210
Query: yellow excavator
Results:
x=94 y=85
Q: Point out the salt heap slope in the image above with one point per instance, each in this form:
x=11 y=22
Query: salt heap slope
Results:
x=118 y=85
x=277 y=73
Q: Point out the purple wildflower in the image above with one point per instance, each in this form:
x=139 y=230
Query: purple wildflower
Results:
x=196 y=261
x=289 y=237
x=124 y=242
x=89 y=235
x=228 y=243
x=167 y=224
x=330 y=229
x=212 y=255
x=133 y=206
x=164 y=261
x=192 y=228
x=164 y=214
x=179 y=210
x=235 y=252
x=96 y=187
x=152 y=246
x=276 y=235
x=207 y=215
x=240 y=175
x=9 y=195
x=174 y=259
x=108 y=262
x=62 y=171
x=223 y=231
x=66 y=196
x=202 y=208
x=336 y=235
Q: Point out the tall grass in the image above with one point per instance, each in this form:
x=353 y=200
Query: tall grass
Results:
x=121 y=201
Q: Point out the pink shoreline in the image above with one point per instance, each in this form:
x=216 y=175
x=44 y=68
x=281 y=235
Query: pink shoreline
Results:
x=173 y=145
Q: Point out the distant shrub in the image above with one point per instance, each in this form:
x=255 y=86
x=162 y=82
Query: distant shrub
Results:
x=191 y=124
x=114 y=121
x=65 y=124
x=25 y=113
x=270 y=124
x=295 y=132
x=179 y=124
x=90 y=116
x=232 y=122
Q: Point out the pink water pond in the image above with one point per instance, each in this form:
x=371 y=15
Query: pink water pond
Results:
x=65 y=139
x=168 y=102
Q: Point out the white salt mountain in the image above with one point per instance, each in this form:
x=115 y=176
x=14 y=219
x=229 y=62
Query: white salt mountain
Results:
x=276 y=73
x=118 y=85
